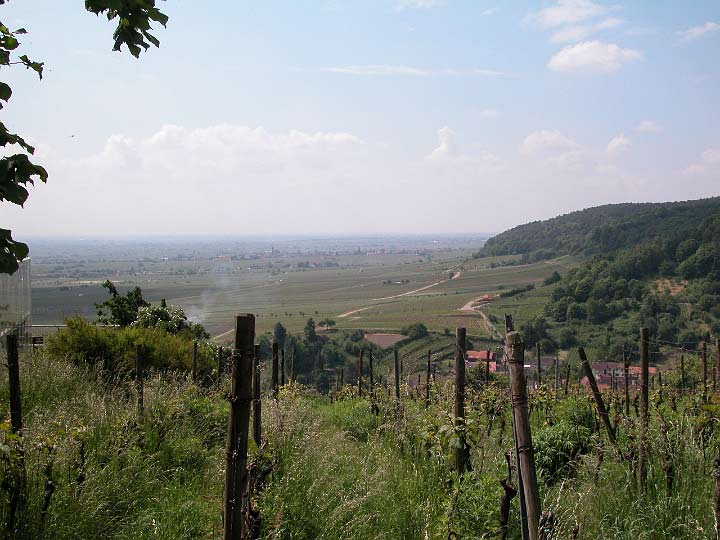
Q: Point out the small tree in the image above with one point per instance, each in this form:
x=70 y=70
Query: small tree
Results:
x=120 y=310
x=309 y=330
x=327 y=323
x=279 y=335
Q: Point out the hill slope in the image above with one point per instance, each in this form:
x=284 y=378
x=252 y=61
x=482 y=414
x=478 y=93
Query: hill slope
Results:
x=601 y=229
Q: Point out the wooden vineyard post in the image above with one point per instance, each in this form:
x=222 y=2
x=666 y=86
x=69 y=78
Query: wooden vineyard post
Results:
x=372 y=375
x=557 y=377
x=626 y=376
x=567 y=377
x=717 y=357
x=523 y=438
x=539 y=367
x=139 y=385
x=292 y=364
x=342 y=377
x=11 y=341
x=241 y=394
x=602 y=411
x=195 y=362
x=642 y=457
x=487 y=367
x=461 y=453
x=704 y=370
x=716 y=474
x=427 y=379
x=219 y=366
x=257 y=402
x=682 y=373
x=397 y=374
x=282 y=366
x=360 y=368
x=275 y=369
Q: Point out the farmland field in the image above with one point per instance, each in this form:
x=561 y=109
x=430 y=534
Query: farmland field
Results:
x=371 y=285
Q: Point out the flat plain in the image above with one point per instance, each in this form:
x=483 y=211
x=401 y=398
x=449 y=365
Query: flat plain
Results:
x=375 y=286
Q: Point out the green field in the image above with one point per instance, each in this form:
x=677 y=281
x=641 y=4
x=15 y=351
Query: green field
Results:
x=373 y=291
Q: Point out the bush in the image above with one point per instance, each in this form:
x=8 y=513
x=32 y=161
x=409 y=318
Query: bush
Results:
x=415 y=331
x=114 y=348
x=556 y=448
x=553 y=278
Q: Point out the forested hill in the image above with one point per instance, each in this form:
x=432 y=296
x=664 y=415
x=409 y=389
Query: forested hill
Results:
x=602 y=229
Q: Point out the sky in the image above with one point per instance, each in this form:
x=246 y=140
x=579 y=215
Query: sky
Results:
x=363 y=116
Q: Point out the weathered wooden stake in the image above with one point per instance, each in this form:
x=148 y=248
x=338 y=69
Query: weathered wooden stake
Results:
x=275 y=369
x=567 y=377
x=241 y=394
x=716 y=474
x=644 y=408
x=292 y=364
x=704 y=369
x=427 y=379
x=257 y=401
x=487 y=366
x=219 y=366
x=11 y=341
x=557 y=377
x=602 y=411
x=139 y=385
x=360 y=368
x=717 y=357
x=461 y=453
x=682 y=373
x=626 y=376
x=282 y=366
x=539 y=366
x=372 y=375
x=195 y=362
x=526 y=459
x=397 y=375
x=342 y=377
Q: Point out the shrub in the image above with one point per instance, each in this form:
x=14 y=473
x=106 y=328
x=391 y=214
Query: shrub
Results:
x=114 y=348
x=415 y=331
x=556 y=448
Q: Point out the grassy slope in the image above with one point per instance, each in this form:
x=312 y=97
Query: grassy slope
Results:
x=340 y=472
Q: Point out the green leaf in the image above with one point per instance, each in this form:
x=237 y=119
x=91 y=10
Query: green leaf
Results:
x=11 y=253
x=35 y=66
x=5 y=91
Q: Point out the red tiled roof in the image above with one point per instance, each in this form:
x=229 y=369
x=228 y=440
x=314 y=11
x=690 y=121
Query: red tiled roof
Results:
x=479 y=355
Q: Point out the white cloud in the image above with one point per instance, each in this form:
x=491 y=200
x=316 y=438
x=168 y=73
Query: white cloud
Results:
x=709 y=163
x=554 y=148
x=240 y=180
x=697 y=32
x=488 y=12
x=408 y=71
x=648 y=126
x=448 y=152
x=618 y=145
x=575 y=33
x=568 y=12
x=593 y=56
x=446 y=144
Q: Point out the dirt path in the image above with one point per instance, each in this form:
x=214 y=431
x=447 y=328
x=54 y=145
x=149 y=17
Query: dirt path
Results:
x=426 y=287
x=470 y=306
x=348 y=313
x=408 y=293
